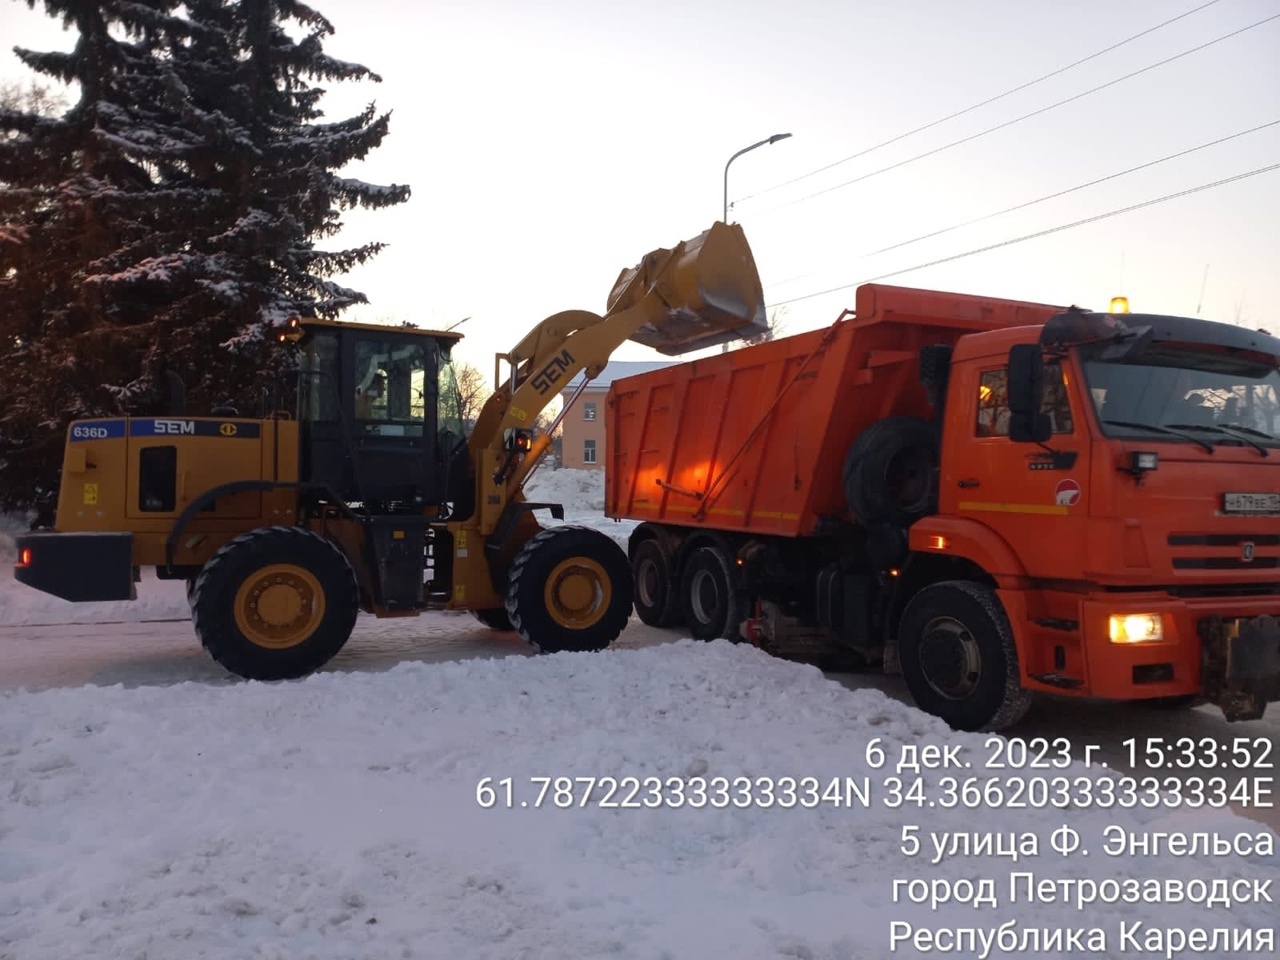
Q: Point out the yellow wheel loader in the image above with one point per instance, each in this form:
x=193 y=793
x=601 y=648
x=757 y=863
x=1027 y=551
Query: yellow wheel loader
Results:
x=368 y=494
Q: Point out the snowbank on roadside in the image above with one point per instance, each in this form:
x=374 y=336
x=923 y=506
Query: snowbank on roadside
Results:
x=580 y=491
x=339 y=817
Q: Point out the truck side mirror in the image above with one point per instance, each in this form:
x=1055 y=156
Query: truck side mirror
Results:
x=1026 y=395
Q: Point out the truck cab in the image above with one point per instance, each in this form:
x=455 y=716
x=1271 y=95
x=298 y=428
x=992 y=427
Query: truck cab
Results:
x=1119 y=478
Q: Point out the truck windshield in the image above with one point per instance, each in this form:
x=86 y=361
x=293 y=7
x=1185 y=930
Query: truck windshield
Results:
x=1187 y=395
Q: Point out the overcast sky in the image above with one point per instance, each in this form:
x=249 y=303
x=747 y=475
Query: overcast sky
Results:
x=551 y=144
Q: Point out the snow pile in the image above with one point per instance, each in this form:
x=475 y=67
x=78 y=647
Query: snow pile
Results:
x=576 y=489
x=338 y=817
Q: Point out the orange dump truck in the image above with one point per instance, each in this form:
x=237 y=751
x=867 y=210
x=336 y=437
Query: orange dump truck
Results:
x=994 y=498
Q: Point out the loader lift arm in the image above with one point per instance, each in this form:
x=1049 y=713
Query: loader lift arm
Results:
x=699 y=293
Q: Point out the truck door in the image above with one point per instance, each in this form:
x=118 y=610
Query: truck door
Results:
x=1034 y=496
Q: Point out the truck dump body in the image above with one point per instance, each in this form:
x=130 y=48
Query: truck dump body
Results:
x=752 y=440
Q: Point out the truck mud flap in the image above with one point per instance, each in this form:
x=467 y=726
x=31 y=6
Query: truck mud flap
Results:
x=1241 y=664
x=79 y=567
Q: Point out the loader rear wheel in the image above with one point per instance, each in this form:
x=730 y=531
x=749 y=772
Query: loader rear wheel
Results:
x=569 y=590
x=712 y=608
x=891 y=472
x=275 y=603
x=495 y=618
x=958 y=657
x=657 y=594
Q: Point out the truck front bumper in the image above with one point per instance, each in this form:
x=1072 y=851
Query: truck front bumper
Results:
x=1240 y=670
x=79 y=567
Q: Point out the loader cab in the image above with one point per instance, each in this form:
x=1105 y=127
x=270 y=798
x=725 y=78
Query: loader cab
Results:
x=380 y=416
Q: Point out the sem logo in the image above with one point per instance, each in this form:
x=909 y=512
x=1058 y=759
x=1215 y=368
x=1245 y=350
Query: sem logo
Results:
x=227 y=429
x=551 y=374
x=1246 y=552
x=176 y=426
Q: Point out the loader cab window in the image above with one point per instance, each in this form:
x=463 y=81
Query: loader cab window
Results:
x=318 y=380
x=391 y=387
x=451 y=425
x=993 y=402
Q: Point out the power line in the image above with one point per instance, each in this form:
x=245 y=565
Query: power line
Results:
x=970 y=109
x=1026 y=116
x=1036 y=235
x=1083 y=186
x=1032 y=203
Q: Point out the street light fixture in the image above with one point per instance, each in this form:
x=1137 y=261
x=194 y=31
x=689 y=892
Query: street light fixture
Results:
x=774 y=139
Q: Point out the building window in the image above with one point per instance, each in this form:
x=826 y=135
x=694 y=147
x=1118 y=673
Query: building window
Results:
x=588 y=451
x=589 y=411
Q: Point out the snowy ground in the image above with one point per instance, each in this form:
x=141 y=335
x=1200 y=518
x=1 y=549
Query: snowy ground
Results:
x=338 y=817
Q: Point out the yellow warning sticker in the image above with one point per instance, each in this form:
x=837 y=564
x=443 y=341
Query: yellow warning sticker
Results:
x=91 y=494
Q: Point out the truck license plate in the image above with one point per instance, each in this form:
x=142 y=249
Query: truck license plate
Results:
x=1251 y=503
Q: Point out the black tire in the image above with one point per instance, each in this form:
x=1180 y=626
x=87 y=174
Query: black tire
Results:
x=191 y=590
x=657 y=594
x=569 y=590
x=891 y=472
x=495 y=618
x=712 y=608
x=958 y=657
x=301 y=570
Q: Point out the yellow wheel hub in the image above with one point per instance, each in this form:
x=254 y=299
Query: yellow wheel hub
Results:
x=279 y=606
x=577 y=593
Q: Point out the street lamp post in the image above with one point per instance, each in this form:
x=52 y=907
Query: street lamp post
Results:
x=774 y=139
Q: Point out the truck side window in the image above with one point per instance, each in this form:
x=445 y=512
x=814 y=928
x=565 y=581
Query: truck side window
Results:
x=993 y=402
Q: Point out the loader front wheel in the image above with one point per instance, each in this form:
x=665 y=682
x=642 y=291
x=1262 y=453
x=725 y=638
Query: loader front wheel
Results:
x=958 y=657
x=569 y=590
x=275 y=604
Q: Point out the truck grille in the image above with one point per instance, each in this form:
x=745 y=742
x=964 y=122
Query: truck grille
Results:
x=1248 y=551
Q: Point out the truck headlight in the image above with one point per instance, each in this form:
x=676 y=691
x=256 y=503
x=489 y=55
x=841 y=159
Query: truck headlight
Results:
x=1135 y=628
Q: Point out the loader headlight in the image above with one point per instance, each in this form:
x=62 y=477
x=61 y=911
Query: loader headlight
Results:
x=1136 y=628
x=292 y=331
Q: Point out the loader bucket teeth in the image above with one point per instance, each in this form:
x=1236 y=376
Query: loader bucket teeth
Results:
x=709 y=285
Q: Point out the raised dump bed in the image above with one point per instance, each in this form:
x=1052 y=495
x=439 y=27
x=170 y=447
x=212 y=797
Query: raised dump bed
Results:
x=755 y=440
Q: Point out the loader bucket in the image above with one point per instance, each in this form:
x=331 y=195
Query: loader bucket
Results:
x=708 y=287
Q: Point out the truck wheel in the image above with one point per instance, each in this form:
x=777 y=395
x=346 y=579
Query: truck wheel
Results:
x=656 y=592
x=891 y=472
x=712 y=608
x=958 y=657
x=275 y=603
x=569 y=590
x=495 y=618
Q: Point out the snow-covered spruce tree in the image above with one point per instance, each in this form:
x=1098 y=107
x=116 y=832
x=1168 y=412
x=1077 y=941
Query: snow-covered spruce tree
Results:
x=169 y=218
